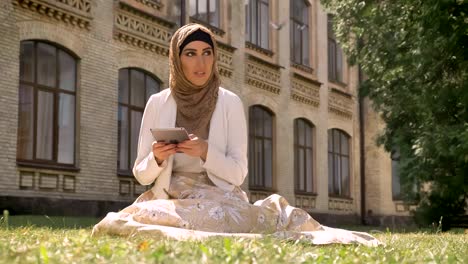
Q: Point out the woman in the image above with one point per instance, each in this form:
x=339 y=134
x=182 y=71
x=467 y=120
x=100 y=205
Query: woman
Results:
x=196 y=189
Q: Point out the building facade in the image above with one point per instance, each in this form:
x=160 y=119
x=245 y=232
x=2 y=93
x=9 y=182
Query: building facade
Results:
x=75 y=76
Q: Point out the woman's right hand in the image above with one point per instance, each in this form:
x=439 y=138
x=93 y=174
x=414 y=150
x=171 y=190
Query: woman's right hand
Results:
x=162 y=151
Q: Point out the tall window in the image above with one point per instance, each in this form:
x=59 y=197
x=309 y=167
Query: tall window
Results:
x=260 y=148
x=338 y=163
x=257 y=23
x=335 y=55
x=303 y=158
x=135 y=88
x=300 y=32
x=396 y=185
x=206 y=11
x=47 y=96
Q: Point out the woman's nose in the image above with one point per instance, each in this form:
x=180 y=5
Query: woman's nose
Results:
x=200 y=61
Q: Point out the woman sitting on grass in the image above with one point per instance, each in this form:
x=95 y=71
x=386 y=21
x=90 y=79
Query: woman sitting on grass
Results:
x=196 y=189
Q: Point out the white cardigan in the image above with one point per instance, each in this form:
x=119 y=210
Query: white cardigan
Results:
x=226 y=161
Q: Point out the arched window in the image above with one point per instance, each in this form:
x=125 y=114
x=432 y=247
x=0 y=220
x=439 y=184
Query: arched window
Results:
x=47 y=105
x=299 y=13
x=338 y=163
x=303 y=156
x=260 y=148
x=135 y=88
x=257 y=14
x=396 y=185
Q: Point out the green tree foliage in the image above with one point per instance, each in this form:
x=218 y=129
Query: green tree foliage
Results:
x=415 y=55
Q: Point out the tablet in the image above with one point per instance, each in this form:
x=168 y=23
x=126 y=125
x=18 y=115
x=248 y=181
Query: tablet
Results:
x=170 y=135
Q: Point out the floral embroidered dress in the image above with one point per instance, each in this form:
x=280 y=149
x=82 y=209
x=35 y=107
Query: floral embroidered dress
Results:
x=197 y=209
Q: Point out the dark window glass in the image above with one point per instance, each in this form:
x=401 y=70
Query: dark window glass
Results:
x=206 y=11
x=338 y=163
x=303 y=159
x=299 y=13
x=335 y=55
x=396 y=185
x=138 y=86
x=258 y=22
x=47 y=105
x=260 y=148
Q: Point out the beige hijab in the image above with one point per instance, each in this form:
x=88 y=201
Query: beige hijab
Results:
x=195 y=104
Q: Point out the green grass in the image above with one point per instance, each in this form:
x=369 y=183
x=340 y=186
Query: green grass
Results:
x=64 y=244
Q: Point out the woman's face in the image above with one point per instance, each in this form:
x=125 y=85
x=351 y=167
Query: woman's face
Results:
x=197 y=62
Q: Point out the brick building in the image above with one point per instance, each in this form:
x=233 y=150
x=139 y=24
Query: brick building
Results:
x=75 y=75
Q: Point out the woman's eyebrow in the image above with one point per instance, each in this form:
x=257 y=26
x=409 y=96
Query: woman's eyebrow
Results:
x=209 y=48
x=185 y=50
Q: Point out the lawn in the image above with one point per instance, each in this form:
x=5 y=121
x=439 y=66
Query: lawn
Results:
x=42 y=239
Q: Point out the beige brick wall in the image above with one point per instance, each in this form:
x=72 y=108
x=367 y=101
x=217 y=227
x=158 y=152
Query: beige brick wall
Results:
x=101 y=55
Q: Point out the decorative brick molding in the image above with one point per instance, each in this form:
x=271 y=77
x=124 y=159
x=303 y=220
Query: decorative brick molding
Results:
x=339 y=204
x=143 y=30
x=305 y=202
x=305 y=90
x=340 y=103
x=154 y=4
x=401 y=207
x=26 y=181
x=128 y=187
x=224 y=58
x=263 y=75
x=46 y=180
x=215 y=30
x=258 y=195
x=72 y=12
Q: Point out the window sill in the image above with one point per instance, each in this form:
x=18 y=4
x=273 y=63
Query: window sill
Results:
x=341 y=92
x=58 y=167
x=214 y=29
x=302 y=193
x=259 y=49
x=339 y=84
x=303 y=68
x=335 y=196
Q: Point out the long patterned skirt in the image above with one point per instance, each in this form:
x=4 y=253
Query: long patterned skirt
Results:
x=198 y=209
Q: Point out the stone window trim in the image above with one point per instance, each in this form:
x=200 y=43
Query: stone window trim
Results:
x=56 y=91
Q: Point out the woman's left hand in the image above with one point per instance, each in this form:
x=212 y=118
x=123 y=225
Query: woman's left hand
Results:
x=195 y=147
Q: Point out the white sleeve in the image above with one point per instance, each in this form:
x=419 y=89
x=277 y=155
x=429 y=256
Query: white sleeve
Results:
x=146 y=169
x=232 y=165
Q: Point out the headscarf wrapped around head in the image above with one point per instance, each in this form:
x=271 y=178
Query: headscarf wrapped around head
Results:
x=195 y=104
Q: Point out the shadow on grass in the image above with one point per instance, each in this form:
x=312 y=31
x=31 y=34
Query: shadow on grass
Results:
x=55 y=222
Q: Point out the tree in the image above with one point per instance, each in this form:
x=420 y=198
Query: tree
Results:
x=415 y=57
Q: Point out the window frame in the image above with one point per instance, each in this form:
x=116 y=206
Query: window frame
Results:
x=249 y=18
x=55 y=91
x=305 y=147
x=196 y=15
x=131 y=108
x=335 y=54
x=253 y=178
x=336 y=180
x=297 y=22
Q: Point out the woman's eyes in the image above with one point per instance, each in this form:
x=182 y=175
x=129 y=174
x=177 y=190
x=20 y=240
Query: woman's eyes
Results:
x=191 y=53
x=207 y=53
